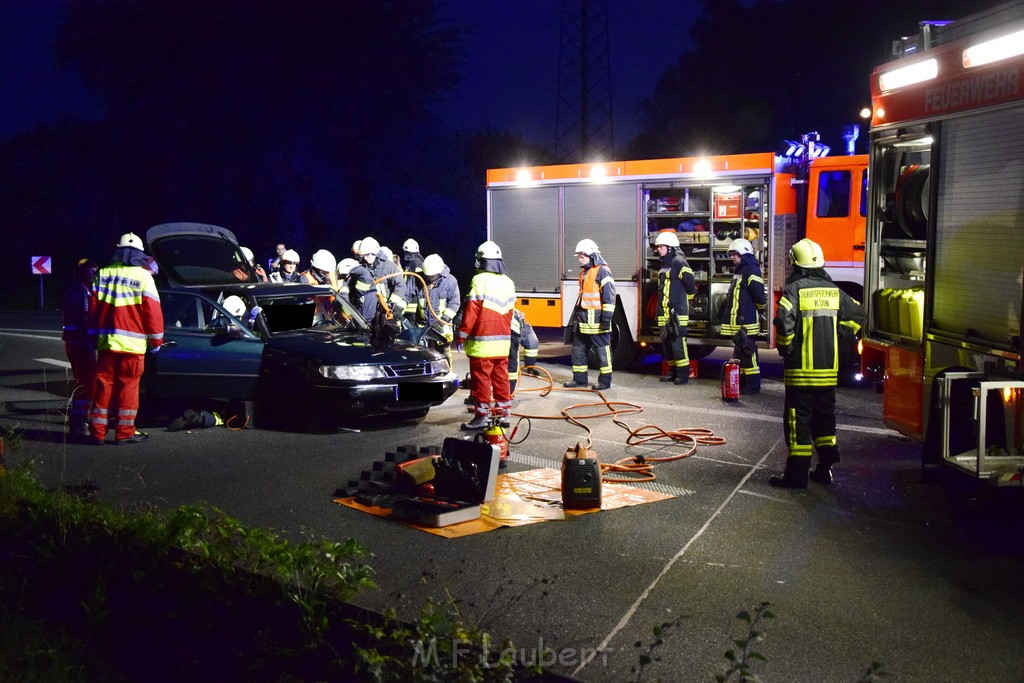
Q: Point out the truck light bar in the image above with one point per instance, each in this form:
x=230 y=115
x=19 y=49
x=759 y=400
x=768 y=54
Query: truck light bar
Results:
x=908 y=75
x=1010 y=45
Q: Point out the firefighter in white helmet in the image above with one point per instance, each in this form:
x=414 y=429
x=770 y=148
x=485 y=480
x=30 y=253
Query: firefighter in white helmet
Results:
x=741 y=318
x=435 y=308
x=814 y=317
x=676 y=287
x=485 y=331
x=591 y=321
x=243 y=273
x=412 y=262
x=321 y=272
x=289 y=270
x=388 y=278
x=345 y=267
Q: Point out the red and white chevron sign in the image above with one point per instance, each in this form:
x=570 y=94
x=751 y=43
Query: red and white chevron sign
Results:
x=41 y=265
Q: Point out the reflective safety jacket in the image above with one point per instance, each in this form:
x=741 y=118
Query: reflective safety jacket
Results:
x=126 y=315
x=807 y=327
x=393 y=288
x=745 y=298
x=486 y=325
x=444 y=299
x=676 y=287
x=324 y=304
x=597 y=297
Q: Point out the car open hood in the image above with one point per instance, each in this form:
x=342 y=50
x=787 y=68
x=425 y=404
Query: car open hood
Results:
x=198 y=255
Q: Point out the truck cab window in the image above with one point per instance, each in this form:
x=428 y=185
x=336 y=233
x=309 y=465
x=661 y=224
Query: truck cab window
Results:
x=833 y=194
x=864 y=193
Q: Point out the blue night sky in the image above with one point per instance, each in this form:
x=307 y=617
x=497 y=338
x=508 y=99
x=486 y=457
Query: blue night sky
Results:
x=510 y=78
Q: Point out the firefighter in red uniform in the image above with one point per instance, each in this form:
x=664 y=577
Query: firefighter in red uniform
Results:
x=126 y=319
x=809 y=327
x=486 y=332
x=592 y=319
x=80 y=347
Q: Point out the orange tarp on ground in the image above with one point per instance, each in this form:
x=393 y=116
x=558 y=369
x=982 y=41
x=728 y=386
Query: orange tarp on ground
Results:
x=525 y=498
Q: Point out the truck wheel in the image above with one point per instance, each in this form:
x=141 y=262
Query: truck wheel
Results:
x=699 y=351
x=624 y=349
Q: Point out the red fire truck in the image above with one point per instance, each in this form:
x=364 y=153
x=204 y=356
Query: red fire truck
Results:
x=945 y=243
x=538 y=214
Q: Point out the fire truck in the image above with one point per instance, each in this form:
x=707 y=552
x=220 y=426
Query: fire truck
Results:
x=945 y=244
x=538 y=214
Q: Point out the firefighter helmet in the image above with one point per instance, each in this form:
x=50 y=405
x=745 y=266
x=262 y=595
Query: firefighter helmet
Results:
x=588 y=247
x=807 y=254
x=355 y=246
x=666 y=239
x=368 y=246
x=234 y=305
x=432 y=265
x=323 y=260
x=290 y=256
x=247 y=253
x=488 y=250
x=130 y=239
x=411 y=246
x=388 y=254
x=741 y=247
x=346 y=265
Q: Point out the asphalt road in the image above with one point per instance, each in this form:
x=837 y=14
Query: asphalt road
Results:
x=876 y=568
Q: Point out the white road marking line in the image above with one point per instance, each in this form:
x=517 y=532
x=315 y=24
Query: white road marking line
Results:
x=40 y=335
x=700 y=532
x=53 y=361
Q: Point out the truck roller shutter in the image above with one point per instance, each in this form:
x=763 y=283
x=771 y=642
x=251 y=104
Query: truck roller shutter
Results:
x=524 y=223
x=607 y=214
x=977 y=275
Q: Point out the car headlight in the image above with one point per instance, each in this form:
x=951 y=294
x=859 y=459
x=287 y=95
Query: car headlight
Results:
x=439 y=367
x=356 y=373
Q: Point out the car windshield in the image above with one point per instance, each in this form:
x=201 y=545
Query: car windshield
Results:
x=284 y=314
x=200 y=260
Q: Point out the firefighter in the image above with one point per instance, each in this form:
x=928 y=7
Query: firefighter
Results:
x=345 y=267
x=525 y=339
x=321 y=272
x=362 y=292
x=809 y=327
x=485 y=332
x=444 y=299
x=412 y=262
x=746 y=298
x=80 y=347
x=591 y=322
x=261 y=275
x=387 y=274
x=288 y=271
x=676 y=287
x=126 y=319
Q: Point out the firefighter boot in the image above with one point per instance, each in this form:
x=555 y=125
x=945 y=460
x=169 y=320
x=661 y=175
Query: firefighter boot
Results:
x=604 y=381
x=750 y=384
x=822 y=472
x=795 y=475
x=670 y=377
x=578 y=381
x=478 y=422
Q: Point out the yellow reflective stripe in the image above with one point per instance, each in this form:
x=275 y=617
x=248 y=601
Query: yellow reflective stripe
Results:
x=825 y=441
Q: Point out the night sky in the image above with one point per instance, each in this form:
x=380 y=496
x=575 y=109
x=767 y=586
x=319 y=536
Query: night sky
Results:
x=510 y=78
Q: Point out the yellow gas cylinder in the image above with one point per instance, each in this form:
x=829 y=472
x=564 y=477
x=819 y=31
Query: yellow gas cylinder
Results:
x=916 y=311
x=903 y=307
x=884 y=317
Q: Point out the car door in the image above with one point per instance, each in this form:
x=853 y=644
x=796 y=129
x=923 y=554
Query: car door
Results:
x=206 y=353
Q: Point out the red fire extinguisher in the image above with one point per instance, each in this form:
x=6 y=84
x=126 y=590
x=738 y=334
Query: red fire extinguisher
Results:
x=731 y=380
x=494 y=434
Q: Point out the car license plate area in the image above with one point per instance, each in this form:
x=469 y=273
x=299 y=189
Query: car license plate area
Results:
x=419 y=392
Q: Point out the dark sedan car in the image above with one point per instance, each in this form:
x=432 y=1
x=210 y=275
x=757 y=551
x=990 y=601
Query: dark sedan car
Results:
x=298 y=369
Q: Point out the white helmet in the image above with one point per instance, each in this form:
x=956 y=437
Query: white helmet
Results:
x=488 y=250
x=355 y=246
x=234 y=305
x=368 y=246
x=323 y=260
x=666 y=239
x=432 y=265
x=388 y=254
x=588 y=247
x=247 y=253
x=741 y=246
x=411 y=246
x=346 y=266
x=291 y=256
x=130 y=239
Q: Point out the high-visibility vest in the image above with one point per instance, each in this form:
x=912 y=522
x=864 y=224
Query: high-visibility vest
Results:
x=126 y=315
